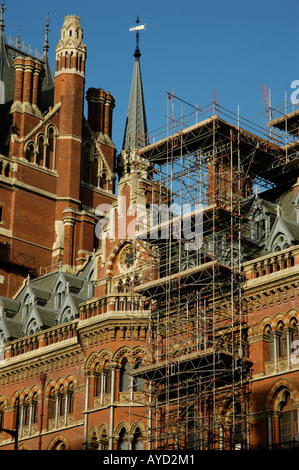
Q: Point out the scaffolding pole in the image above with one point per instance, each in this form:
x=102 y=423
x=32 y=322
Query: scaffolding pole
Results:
x=197 y=368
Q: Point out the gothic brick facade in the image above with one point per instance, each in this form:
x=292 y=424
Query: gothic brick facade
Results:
x=75 y=322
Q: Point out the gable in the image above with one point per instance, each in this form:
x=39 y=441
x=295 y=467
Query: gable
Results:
x=282 y=236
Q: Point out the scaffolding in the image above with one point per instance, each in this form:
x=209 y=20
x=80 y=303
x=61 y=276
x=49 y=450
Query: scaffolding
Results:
x=191 y=248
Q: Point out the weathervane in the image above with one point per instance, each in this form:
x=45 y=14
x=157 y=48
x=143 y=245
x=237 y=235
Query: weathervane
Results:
x=2 y=16
x=137 y=28
x=47 y=30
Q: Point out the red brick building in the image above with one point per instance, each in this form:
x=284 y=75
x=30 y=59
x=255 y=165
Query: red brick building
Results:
x=115 y=333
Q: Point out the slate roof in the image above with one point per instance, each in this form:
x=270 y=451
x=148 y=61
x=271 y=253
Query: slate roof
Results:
x=43 y=307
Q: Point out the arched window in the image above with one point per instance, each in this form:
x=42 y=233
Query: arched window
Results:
x=66 y=60
x=70 y=59
x=26 y=407
x=123 y=441
x=124 y=376
x=50 y=158
x=107 y=379
x=79 y=60
x=70 y=399
x=97 y=381
x=59 y=445
x=282 y=343
x=7 y=170
x=270 y=344
x=51 y=404
x=60 y=293
x=93 y=179
x=93 y=444
x=90 y=285
x=103 y=180
x=120 y=287
x=29 y=153
x=28 y=302
x=288 y=422
x=137 y=443
x=34 y=405
x=40 y=151
x=61 y=401
x=138 y=383
x=104 y=440
x=236 y=425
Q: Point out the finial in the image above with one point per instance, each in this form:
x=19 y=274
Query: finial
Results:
x=137 y=28
x=47 y=30
x=2 y=16
x=18 y=40
x=137 y=35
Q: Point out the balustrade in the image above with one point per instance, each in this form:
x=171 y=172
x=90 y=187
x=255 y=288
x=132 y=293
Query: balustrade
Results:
x=117 y=302
x=40 y=339
x=272 y=263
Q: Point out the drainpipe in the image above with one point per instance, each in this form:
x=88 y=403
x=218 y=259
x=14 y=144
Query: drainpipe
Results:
x=86 y=413
x=269 y=420
x=111 y=427
x=43 y=381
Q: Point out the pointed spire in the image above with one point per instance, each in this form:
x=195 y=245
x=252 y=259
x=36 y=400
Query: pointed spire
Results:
x=136 y=125
x=49 y=74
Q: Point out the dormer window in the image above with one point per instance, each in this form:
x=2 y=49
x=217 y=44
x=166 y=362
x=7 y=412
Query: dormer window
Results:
x=27 y=306
x=90 y=287
x=60 y=293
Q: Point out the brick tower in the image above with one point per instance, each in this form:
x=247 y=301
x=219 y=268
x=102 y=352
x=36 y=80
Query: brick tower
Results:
x=53 y=161
x=69 y=92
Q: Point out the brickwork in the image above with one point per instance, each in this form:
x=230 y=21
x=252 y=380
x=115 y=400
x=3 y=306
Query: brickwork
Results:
x=70 y=376
x=47 y=160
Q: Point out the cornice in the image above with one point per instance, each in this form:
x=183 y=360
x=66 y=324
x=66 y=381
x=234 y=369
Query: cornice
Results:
x=280 y=277
x=46 y=360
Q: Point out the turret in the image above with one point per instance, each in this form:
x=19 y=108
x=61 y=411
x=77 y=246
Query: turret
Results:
x=69 y=92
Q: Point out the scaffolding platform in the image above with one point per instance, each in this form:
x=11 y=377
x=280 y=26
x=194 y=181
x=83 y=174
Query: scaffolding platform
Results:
x=205 y=364
x=261 y=156
x=288 y=122
x=189 y=277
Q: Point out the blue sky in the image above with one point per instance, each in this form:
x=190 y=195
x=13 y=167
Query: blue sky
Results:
x=189 y=47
